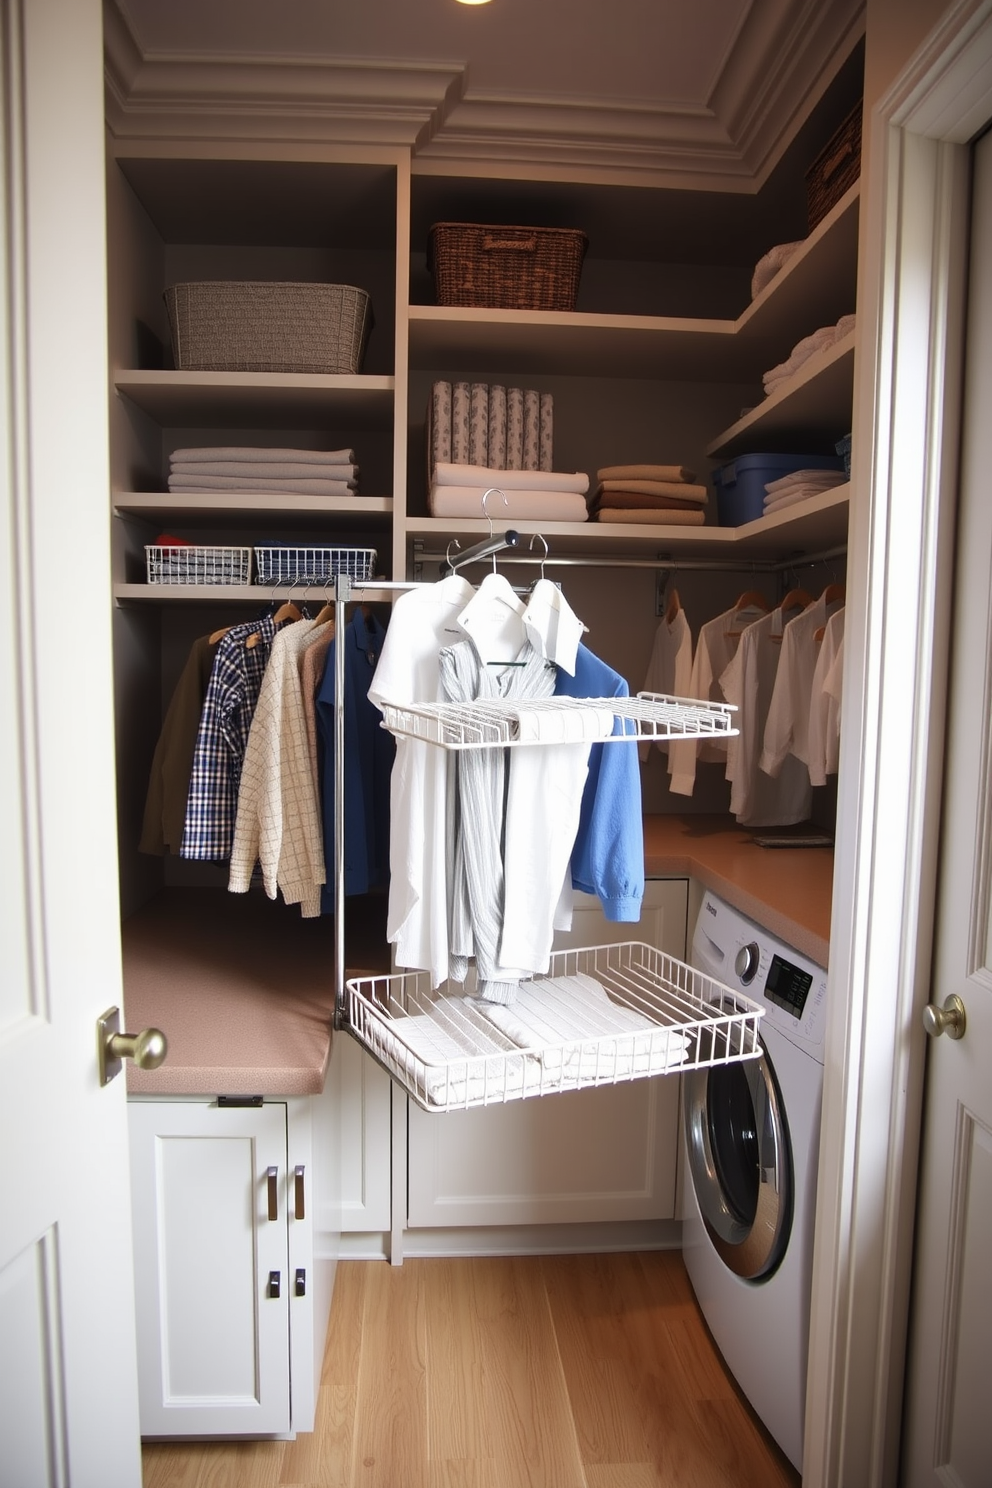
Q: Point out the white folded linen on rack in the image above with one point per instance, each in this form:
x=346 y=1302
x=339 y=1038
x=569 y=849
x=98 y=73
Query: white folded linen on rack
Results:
x=453 y=1054
x=529 y=504
x=576 y=1030
x=263 y=453
x=559 y=725
x=447 y=474
x=315 y=487
x=263 y=469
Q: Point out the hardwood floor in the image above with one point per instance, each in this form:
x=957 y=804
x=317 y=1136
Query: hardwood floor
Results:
x=533 y=1372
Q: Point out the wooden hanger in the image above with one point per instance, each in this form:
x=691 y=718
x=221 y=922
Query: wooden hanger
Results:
x=751 y=599
x=796 y=599
x=674 y=605
x=218 y=635
x=287 y=611
x=834 y=594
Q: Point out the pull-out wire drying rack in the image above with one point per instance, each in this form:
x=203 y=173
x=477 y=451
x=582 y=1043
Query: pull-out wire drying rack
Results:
x=600 y=1015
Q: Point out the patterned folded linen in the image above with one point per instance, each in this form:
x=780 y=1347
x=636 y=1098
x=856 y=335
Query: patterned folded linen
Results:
x=659 y=516
x=317 y=487
x=679 y=473
x=448 y=474
x=240 y=452
x=537 y=506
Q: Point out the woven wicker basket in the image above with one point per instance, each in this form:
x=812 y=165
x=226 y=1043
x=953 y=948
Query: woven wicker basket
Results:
x=837 y=167
x=221 y=326
x=506 y=268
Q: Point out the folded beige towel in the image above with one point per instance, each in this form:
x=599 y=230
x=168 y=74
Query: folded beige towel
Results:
x=628 y=500
x=656 y=517
x=317 y=487
x=805 y=478
x=681 y=491
x=262 y=470
x=241 y=452
x=645 y=472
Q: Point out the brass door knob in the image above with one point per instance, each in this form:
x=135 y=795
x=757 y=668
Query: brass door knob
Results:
x=147 y=1048
x=949 y=1019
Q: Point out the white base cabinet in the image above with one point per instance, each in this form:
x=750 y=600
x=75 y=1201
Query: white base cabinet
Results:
x=224 y=1266
x=608 y=1154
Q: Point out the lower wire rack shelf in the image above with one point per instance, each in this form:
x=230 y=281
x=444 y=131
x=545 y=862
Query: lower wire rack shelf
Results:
x=601 y=1015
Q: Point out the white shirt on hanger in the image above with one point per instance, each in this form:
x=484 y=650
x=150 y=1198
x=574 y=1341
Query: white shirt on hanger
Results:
x=670 y=668
x=787 y=725
x=716 y=646
x=748 y=681
x=423 y=620
x=824 y=709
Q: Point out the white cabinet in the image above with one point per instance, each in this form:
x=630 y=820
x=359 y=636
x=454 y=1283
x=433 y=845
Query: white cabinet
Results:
x=366 y=1139
x=224 y=1271
x=590 y=1155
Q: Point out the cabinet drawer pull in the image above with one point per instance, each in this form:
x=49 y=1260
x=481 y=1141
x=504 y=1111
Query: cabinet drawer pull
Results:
x=274 y=1283
x=299 y=1198
x=272 y=1180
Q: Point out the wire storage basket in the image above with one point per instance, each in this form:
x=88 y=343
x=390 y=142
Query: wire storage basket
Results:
x=601 y=1015
x=290 y=565
x=193 y=564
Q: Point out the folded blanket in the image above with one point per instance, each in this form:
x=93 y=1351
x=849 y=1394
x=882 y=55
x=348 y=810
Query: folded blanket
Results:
x=769 y=265
x=822 y=478
x=533 y=505
x=458 y=1057
x=240 y=452
x=819 y=340
x=684 y=493
x=447 y=474
x=634 y=501
x=572 y=725
x=800 y=493
x=652 y=516
x=316 y=487
x=262 y=470
x=645 y=472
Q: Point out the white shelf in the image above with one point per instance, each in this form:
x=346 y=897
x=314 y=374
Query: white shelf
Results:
x=812 y=409
x=250 y=594
x=818 y=522
x=256 y=508
x=248 y=399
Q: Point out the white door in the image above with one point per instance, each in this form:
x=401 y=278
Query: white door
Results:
x=68 y=1388
x=948 y=1427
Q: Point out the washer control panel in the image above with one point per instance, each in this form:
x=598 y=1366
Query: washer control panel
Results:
x=739 y=953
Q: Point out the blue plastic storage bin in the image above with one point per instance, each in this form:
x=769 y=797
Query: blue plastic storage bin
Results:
x=740 y=485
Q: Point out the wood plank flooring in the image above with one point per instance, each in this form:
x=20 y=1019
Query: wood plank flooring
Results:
x=592 y=1371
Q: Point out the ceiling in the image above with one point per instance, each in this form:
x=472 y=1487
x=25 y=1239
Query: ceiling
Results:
x=704 y=95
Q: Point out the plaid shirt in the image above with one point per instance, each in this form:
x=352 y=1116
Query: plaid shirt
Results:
x=235 y=682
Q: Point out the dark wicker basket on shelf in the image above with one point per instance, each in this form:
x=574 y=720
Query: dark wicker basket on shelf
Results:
x=506 y=268
x=258 y=326
x=837 y=167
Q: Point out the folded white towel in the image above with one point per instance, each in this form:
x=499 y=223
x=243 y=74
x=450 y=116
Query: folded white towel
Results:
x=818 y=340
x=446 y=474
x=573 y=725
x=799 y=493
x=821 y=478
x=262 y=470
x=252 y=452
x=769 y=265
x=457 y=1056
x=533 y=505
x=316 y=487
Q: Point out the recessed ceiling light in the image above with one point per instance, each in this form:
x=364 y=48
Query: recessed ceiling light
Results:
x=473 y=2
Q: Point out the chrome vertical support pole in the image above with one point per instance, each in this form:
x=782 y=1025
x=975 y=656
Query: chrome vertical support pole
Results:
x=342 y=593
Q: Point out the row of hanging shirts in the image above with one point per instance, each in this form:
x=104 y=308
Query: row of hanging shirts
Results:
x=243 y=771
x=782 y=668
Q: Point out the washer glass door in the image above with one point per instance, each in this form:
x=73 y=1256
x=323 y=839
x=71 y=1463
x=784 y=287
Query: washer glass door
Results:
x=740 y=1159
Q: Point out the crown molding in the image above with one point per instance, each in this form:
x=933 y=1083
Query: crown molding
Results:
x=767 y=83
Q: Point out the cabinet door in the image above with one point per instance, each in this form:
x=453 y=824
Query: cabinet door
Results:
x=365 y=1138
x=213 y=1336
x=589 y=1155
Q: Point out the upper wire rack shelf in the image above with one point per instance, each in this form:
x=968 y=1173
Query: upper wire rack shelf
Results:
x=485 y=725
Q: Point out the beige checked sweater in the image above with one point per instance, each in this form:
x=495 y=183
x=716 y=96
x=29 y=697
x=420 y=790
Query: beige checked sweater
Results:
x=278 y=822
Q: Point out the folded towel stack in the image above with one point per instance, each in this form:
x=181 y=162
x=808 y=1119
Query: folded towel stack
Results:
x=653 y=494
x=286 y=472
x=804 y=349
x=542 y=496
x=789 y=489
x=771 y=264
x=489 y=425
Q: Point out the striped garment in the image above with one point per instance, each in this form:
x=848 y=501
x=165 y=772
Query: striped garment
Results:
x=476 y=807
x=221 y=740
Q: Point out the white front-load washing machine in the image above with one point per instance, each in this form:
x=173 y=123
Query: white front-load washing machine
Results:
x=752 y=1134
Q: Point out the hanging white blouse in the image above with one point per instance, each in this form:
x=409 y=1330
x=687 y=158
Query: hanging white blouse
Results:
x=670 y=668
x=824 y=711
x=748 y=681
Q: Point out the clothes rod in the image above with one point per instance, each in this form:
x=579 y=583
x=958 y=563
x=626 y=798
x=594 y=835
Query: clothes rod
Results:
x=662 y=561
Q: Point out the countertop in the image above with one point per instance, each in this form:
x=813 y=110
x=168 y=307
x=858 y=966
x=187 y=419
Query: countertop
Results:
x=786 y=890
x=244 y=989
